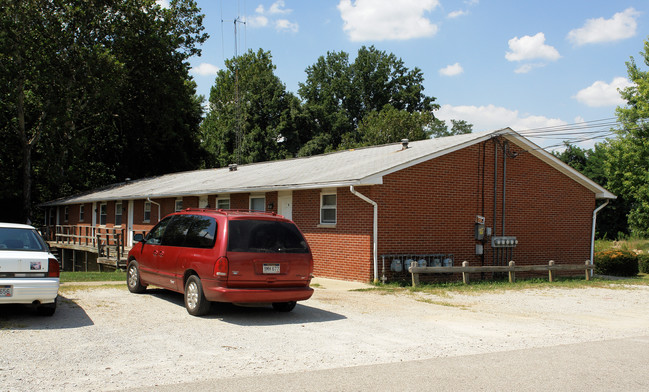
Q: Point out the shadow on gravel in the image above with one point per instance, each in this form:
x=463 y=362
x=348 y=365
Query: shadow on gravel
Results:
x=24 y=317
x=255 y=315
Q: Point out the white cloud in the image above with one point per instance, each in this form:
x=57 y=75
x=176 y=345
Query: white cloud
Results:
x=379 y=20
x=451 y=70
x=261 y=17
x=531 y=48
x=525 y=68
x=492 y=117
x=205 y=69
x=621 y=26
x=278 y=8
x=601 y=93
x=257 y=21
x=457 y=14
x=286 y=25
x=163 y=3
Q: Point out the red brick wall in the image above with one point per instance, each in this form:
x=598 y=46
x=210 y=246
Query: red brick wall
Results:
x=343 y=251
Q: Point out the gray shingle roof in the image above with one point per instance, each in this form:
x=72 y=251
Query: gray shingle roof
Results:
x=363 y=166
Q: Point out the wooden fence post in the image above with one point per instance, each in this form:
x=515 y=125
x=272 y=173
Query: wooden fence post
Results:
x=512 y=273
x=588 y=270
x=465 y=275
x=550 y=272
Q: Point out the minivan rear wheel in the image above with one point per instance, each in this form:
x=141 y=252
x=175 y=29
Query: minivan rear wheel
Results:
x=284 y=306
x=195 y=301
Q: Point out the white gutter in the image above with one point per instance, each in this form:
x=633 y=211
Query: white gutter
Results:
x=375 y=229
x=153 y=202
x=592 y=238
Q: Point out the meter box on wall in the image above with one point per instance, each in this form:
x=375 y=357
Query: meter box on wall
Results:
x=504 y=242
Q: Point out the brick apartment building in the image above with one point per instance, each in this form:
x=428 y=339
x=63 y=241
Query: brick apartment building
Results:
x=364 y=211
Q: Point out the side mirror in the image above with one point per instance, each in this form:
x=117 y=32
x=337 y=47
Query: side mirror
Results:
x=138 y=237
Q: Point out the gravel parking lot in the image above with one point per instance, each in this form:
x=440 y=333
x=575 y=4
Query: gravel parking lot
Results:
x=105 y=338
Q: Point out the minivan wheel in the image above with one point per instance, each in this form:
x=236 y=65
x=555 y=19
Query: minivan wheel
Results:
x=195 y=301
x=284 y=306
x=47 y=309
x=133 y=278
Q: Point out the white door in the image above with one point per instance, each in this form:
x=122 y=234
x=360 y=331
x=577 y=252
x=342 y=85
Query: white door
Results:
x=285 y=204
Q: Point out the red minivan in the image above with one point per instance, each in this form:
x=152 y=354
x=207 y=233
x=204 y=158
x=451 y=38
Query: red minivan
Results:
x=224 y=256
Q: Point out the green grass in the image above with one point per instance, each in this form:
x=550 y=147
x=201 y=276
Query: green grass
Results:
x=631 y=244
x=498 y=286
x=114 y=276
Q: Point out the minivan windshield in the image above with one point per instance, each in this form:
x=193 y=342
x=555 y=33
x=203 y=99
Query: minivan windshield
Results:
x=265 y=236
x=21 y=239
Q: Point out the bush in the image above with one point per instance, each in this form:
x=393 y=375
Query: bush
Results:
x=616 y=262
x=643 y=263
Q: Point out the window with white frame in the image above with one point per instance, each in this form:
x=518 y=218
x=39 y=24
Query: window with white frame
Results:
x=147 y=212
x=82 y=212
x=179 y=205
x=118 y=213
x=102 y=214
x=223 y=203
x=328 y=202
x=258 y=203
x=66 y=213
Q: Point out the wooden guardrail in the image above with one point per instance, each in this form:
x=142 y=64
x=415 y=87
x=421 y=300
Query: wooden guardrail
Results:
x=511 y=269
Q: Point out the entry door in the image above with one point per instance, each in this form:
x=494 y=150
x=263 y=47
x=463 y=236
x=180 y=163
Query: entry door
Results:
x=285 y=204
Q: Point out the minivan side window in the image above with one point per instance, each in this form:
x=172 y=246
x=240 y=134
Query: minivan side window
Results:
x=155 y=235
x=175 y=233
x=202 y=232
x=264 y=236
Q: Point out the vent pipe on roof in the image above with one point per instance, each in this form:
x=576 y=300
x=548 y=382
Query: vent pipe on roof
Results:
x=404 y=144
x=232 y=167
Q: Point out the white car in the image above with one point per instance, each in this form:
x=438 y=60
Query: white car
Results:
x=29 y=273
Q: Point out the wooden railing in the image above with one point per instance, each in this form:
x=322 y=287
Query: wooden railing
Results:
x=511 y=269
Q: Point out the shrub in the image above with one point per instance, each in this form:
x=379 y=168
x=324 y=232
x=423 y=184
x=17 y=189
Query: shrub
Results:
x=616 y=262
x=643 y=263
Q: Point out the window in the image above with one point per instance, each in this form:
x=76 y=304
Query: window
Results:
x=147 y=212
x=202 y=232
x=82 y=212
x=179 y=205
x=258 y=203
x=203 y=202
x=102 y=214
x=66 y=213
x=223 y=204
x=118 y=213
x=328 y=208
x=263 y=236
x=155 y=235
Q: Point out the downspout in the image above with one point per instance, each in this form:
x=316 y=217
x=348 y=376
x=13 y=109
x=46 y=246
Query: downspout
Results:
x=153 y=202
x=592 y=238
x=375 y=229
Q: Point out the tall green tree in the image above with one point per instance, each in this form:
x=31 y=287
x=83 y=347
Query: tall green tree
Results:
x=627 y=164
x=85 y=87
x=252 y=117
x=612 y=220
x=392 y=125
x=338 y=95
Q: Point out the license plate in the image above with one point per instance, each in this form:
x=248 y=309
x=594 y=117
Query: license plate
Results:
x=271 y=268
x=6 y=291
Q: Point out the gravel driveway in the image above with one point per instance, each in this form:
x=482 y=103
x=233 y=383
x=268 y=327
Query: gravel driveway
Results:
x=106 y=338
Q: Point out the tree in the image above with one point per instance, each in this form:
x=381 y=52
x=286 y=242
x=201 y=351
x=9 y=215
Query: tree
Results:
x=627 y=164
x=391 y=125
x=70 y=102
x=252 y=117
x=458 y=127
x=338 y=95
x=612 y=220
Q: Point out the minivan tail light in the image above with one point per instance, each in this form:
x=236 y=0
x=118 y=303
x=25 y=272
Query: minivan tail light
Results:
x=53 y=270
x=221 y=267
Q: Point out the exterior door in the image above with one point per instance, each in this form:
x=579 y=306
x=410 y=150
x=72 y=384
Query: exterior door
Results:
x=285 y=204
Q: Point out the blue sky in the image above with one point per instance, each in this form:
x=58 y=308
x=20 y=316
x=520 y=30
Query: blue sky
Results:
x=495 y=64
